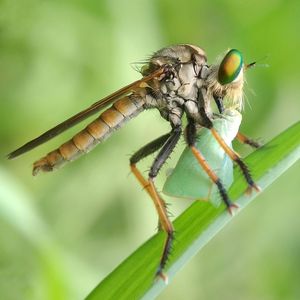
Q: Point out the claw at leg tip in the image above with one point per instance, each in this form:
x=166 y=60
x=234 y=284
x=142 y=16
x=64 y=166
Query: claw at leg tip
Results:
x=248 y=190
x=231 y=209
x=251 y=187
x=163 y=276
x=257 y=188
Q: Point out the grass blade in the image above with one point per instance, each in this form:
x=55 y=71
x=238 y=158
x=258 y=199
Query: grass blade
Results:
x=133 y=279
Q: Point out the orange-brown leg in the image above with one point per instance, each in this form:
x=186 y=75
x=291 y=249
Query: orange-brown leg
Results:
x=245 y=140
x=236 y=158
x=215 y=179
x=164 y=221
x=190 y=136
x=167 y=144
x=157 y=200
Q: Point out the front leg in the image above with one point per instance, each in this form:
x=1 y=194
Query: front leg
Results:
x=206 y=122
x=245 y=140
x=240 y=137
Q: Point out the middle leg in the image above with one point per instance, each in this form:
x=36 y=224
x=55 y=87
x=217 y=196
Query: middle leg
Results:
x=191 y=140
x=236 y=158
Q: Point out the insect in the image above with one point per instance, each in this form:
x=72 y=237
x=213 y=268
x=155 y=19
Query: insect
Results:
x=176 y=80
x=188 y=180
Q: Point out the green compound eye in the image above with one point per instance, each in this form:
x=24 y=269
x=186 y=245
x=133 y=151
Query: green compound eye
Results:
x=230 y=67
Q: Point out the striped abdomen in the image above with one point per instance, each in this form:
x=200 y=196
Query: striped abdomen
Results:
x=110 y=120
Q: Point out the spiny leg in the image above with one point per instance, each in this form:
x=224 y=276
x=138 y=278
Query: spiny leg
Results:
x=191 y=139
x=233 y=155
x=245 y=140
x=167 y=143
x=236 y=158
x=240 y=137
x=160 y=159
x=142 y=153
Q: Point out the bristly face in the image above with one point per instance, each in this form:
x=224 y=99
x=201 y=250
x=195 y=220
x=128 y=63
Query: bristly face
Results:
x=226 y=80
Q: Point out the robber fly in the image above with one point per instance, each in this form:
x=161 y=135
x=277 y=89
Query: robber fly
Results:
x=176 y=80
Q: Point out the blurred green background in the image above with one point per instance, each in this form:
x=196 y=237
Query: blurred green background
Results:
x=61 y=233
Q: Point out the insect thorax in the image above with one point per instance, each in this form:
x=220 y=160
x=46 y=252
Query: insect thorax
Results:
x=187 y=74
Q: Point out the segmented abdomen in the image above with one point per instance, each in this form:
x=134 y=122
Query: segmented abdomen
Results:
x=97 y=131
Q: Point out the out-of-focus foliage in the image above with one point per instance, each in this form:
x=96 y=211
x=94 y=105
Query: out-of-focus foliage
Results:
x=61 y=233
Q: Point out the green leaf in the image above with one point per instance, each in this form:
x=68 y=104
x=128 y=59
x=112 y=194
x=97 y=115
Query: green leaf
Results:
x=134 y=278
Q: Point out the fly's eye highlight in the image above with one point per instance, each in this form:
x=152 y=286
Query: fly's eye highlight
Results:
x=230 y=67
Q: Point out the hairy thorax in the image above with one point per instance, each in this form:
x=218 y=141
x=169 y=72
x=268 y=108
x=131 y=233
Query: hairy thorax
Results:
x=178 y=92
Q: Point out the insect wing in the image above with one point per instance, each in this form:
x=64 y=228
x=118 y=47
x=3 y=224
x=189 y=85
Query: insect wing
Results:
x=188 y=179
x=94 y=108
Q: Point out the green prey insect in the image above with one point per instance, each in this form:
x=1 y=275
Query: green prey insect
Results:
x=188 y=180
